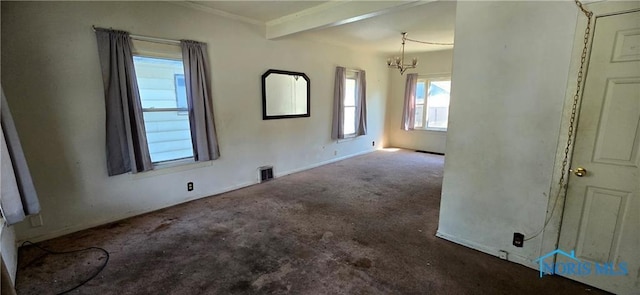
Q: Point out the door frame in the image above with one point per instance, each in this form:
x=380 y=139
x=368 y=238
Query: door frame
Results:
x=551 y=234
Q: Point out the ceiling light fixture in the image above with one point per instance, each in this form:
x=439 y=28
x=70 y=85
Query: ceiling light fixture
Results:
x=398 y=61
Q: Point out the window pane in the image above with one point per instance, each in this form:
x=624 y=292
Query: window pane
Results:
x=438 y=104
x=420 y=92
x=168 y=135
x=350 y=93
x=181 y=91
x=349 y=120
x=162 y=85
x=419 y=116
x=157 y=82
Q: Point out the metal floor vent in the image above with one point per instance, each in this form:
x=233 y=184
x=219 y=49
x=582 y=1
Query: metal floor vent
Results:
x=266 y=173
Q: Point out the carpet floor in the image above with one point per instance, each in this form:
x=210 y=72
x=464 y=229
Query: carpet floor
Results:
x=365 y=225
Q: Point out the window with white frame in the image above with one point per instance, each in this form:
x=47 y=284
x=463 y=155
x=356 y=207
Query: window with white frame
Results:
x=432 y=103
x=350 y=100
x=163 y=96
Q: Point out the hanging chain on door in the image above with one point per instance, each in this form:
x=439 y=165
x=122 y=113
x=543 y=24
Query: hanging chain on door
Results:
x=572 y=119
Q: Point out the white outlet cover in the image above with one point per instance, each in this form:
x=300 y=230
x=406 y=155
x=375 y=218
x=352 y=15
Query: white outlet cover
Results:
x=503 y=254
x=36 y=220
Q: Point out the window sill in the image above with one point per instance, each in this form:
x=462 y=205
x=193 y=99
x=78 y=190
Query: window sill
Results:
x=431 y=129
x=173 y=163
x=172 y=167
x=346 y=138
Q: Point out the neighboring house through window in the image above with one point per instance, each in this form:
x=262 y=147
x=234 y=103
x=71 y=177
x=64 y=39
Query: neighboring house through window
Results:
x=432 y=103
x=181 y=91
x=163 y=95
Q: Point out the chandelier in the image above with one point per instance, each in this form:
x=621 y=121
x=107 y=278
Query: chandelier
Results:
x=398 y=61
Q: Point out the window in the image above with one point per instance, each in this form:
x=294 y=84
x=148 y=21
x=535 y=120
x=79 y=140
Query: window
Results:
x=432 y=104
x=151 y=79
x=164 y=105
x=350 y=104
x=350 y=99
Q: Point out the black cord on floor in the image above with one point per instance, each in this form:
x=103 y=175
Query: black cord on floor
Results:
x=75 y=251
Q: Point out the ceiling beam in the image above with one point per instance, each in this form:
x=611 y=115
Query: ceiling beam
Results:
x=333 y=13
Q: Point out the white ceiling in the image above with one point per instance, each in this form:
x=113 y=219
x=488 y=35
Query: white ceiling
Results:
x=373 y=26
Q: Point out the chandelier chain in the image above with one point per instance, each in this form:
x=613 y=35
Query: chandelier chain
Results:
x=574 y=109
x=430 y=43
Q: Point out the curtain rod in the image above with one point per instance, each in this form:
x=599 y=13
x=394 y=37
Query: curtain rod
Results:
x=147 y=38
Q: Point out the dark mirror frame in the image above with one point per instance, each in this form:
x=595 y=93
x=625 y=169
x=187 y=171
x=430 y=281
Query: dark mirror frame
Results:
x=264 y=95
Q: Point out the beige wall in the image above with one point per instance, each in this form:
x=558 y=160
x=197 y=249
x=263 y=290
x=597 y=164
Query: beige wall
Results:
x=429 y=63
x=52 y=79
x=510 y=74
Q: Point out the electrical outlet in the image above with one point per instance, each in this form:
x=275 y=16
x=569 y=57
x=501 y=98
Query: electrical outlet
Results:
x=189 y=186
x=518 y=240
x=503 y=254
x=373 y=143
x=36 y=220
x=335 y=153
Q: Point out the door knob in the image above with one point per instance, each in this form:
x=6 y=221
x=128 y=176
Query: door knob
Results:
x=580 y=172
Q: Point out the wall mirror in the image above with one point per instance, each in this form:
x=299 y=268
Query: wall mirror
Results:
x=285 y=94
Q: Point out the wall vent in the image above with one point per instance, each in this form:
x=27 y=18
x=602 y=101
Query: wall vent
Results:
x=266 y=173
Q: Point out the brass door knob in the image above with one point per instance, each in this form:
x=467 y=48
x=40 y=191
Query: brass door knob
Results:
x=580 y=172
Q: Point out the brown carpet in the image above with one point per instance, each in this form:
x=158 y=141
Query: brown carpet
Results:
x=365 y=225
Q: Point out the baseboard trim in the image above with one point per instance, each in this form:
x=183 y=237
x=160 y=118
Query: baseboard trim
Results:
x=280 y=174
x=72 y=229
x=129 y=214
x=488 y=250
x=428 y=152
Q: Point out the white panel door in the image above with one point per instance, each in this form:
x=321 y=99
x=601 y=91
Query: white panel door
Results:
x=601 y=219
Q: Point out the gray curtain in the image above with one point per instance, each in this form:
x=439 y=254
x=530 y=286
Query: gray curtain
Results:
x=18 y=197
x=127 y=148
x=337 y=130
x=409 y=109
x=6 y=284
x=361 y=104
x=197 y=80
